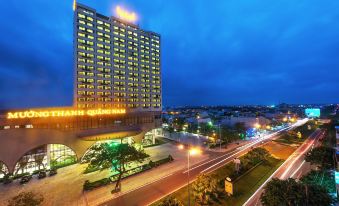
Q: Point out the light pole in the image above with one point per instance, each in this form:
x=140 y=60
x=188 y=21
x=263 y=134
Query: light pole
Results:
x=198 y=117
x=219 y=136
x=192 y=151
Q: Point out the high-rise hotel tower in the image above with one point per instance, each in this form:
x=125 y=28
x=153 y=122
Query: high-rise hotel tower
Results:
x=117 y=63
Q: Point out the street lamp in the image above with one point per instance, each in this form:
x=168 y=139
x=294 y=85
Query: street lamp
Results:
x=198 y=117
x=220 y=137
x=190 y=152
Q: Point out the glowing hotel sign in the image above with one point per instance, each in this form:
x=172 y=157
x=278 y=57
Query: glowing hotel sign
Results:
x=63 y=113
x=125 y=15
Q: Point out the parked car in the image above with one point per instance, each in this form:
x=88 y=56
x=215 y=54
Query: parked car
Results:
x=25 y=179
x=53 y=172
x=42 y=174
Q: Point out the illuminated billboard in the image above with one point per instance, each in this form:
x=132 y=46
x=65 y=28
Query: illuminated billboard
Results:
x=63 y=113
x=312 y=112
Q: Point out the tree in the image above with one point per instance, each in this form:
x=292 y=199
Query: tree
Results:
x=204 y=187
x=322 y=156
x=26 y=199
x=3 y=169
x=171 y=201
x=228 y=135
x=322 y=178
x=257 y=155
x=23 y=162
x=240 y=127
x=38 y=159
x=116 y=156
x=289 y=192
x=292 y=134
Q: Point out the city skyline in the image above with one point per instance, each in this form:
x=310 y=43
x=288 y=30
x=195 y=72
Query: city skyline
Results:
x=283 y=53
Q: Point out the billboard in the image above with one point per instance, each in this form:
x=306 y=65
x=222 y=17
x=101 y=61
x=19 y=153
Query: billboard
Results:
x=312 y=112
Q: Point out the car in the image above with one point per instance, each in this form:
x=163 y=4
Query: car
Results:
x=42 y=174
x=53 y=172
x=25 y=179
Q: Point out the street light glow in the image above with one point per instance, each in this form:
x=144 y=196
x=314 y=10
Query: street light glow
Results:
x=194 y=151
x=180 y=146
x=257 y=125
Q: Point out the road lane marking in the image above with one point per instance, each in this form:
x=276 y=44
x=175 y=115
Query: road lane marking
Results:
x=295 y=172
x=268 y=179
x=128 y=191
x=199 y=165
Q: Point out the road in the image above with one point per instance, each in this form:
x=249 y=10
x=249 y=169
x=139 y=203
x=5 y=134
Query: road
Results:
x=293 y=167
x=153 y=191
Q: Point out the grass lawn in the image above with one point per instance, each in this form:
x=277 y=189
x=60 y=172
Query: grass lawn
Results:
x=250 y=182
x=244 y=187
x=278 y=150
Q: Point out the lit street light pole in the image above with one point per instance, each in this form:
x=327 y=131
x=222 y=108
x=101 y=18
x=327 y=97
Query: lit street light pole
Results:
x=219 y=136
x=188 y=177
x=190 y=152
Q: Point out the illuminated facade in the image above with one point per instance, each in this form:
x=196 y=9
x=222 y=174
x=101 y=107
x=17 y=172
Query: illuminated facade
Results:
x=117 y=64
x=117 y=97
x=60 y=140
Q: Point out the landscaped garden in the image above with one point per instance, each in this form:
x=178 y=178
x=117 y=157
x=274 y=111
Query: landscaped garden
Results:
x=256 y=166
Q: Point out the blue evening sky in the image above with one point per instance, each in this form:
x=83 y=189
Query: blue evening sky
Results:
x=213 y=52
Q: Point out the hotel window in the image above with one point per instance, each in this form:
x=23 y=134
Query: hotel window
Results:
x=81 y=15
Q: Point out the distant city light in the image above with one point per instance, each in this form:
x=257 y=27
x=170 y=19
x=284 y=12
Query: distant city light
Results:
x=125 y=15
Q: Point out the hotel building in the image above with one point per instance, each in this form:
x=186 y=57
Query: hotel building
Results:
x=117 y=97
x=117 y=63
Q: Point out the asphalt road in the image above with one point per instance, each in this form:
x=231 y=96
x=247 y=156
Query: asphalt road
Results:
x=292 y=167
x=151 y=192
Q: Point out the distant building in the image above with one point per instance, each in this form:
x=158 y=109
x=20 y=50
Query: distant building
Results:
x=204 y=120
x=248 y=121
